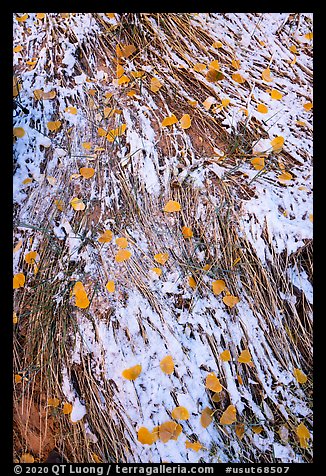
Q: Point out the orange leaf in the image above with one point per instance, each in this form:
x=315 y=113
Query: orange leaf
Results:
x=132 y=373
x=172 y=206
x=180 y=413
x=67 y=408
x=277 y=143
x=258 y=163
x=110 y=286
x=240 y=430
x=71 y=110
x=187 y=232
x=218 y=286
x=30 y=257
x=161 y=258
x=23 y=18
x=225 y=355
x=192 y=283
x=40 y=16
x=266 y=75
x=196 y=446
x=238 y=78
x=87 y=172
x=122 y=255
x=87 y=145
x=53 y=402
x=144 y=436
x=257 y=429
x=18 y=132
x=229 y=416
x=167 y=365
x=26 y=458
x=18 y=280
x=123 y=79
x=168 y=121
x=18 y=378
x=303 y=435
x=216 y=397
x=185 y=121
x=206 y=417
x=121 y=242
x=213 y=383
x=127 y=50
x=199 y=67
x=155 y=85
x=236 y=64
x=300 y=376
x=113 y=133
x=101 y=132
x=244 y=357
x=170 y=430
x=213 y=75
x=59 y=204
x=231 y=301
x=156 y=433
x=262 y=108
x=137 y=74
x=217 y=44
x=239 y=378
x=106 y=237
x=208 y=102
x=276 y=94
x=284 y=177
x=77 y=204
x=308 y=106
x=14 y=318
x=214 y=65
x=18 y=48
x=53 y=125
x=157 y=271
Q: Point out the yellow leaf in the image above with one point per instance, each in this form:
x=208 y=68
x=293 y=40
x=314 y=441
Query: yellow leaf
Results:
x=309 y=36
x=167 y=364
x=214 y=65
x=108 y=111
x=18 y=132
x=257 y=429
x=92 y=92
x=213 y=383
x=284 y=177
x=207 y=267
x=122 y=255
x=303 y=443
x=266 y=75
x=144 y=436
x=239 y=378
x=225 y=102
x=18 y=280
x=110 y=286
x=187 y=232
x=293 y=61
x=131 y=93
x=137 y=74
x=302 y=431
x=161 y=258
x=157 y=271
x=120 y=70
x=30 y=257
x=185 y=121
x=199 y=67
x=87 y=145
x=238 y=78
x=240 y=430
x=208 y=102
x=96 y=458
x=14 y=318
x=79 y=292
x=156 y=433
x=277 y=143
x=71 y=110
x=218 y=286
x=172 y=206
x=244 y=357
x=113 y=133
x=192 y=103
x=258 y=163
x=27 y=180
x=155 y=85
x=229 y=416
x=59 y=204
x=26 y=458
x=225 y=355
x=18 y=378
x=293 y=49
x=262 y=108
x=18 y=246
x=40 y=16
x=87 y=172
x=276 y=94
x=23 y=18
x=132 y=373
x=308 y=106
x=213 y=75
x=206 y=417
x=18 y=48
x=123 y=80
x=121 y=242
x=192 y=283
x=168 y=121
x=77 y=204
x=101 y=132
x=108 y=95
x=300 y=376
x=53 y=402
x=217 y=44
x=170 y=430
x=110 y=15
x=180 y=413
x=67 y=408
x=236 y=64
x=196 y=446
x=53 y=125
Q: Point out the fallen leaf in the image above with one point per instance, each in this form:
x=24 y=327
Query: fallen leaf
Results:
x=240 y=430
x=53 y=125
x=123 y=80
x=157 y=271
x=257 y=429
x=239 y=378
x=206 y=417
x=262 y=108
x=170 y=430
x=26 y=458
x=14 y=318
x=258 y=163
x=192 y=103
x=122 y=255
x=167 y=365
x=207 y=267
x=30 y=257
x=276 y=94
x=23 y=18
x=208 y=102
x=53 y=402
x=96 y=458
x=132 y=373
x=131 y=93
x=16 y=87
x=59 y=204
x=86 y=145
x=311 y=217
x=172 y=206
x=285 y=177
x=187 y=232
x=110 y=286
x=27 y=180
x=18 y=48
x=121 y=242
x=302 y=431
x=213 y=383
x=218 y=286
x=199 y=67
x=236 y=64
x=307 y=106
x=309 y=36
x=192 y=283
x=19 y=132
x=180 y=413
x=106 y=237
x=300 y=376
x=266 y=75
x=18 y=378
x=238 y=78
x=40 y=16
x=213 y=75
x=214 y=65
x=101 y=132
x=18 y=280
x=161 y=258
x=231 y=301
x=293 y=49
x=113 y=133
x=244 y=357
x=71 y=110
x=185 y=121
x=225 y=102
x=127 y=50
x=168 y=121
x=137 y=74
x=225 y=355
x=144 y=436
x=77 y=204
x=217 y=44
x=87 y=172
x=67 y=408
x=81 y=298
x=229 y=416
x=155 y=85
x=277 y=143
x=196 y=446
